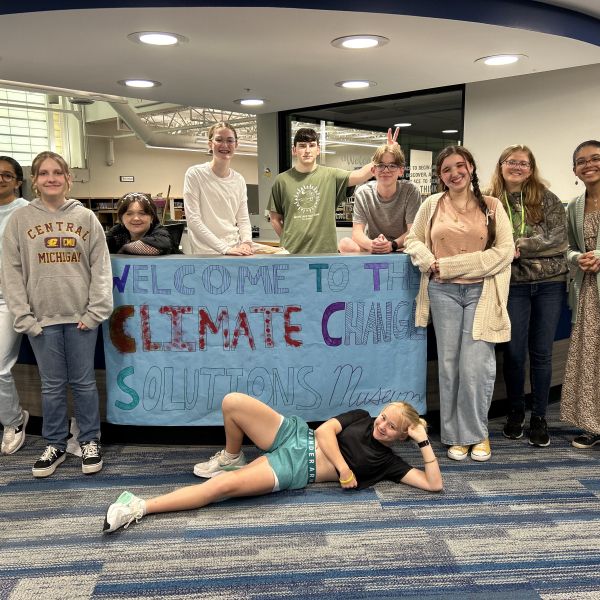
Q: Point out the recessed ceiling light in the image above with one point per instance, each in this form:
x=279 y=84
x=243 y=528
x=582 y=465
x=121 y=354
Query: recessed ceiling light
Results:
x=250 y=101
x=157 y=38
x=139 y=83
x=449 y=130
x=355 y=84
x=359 y=42
x=498 y=60
x=402 y=124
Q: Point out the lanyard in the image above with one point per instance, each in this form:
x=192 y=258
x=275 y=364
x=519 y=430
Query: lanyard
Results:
x=510 y=214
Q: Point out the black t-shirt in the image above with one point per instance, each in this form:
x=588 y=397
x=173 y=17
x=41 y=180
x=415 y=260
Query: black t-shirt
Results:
x=369 y=459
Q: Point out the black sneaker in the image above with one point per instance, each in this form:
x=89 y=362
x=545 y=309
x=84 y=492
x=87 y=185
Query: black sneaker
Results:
x=91 y=457
x=50 y=459
x=587 y=440
x=538 y=432
x=513 y=429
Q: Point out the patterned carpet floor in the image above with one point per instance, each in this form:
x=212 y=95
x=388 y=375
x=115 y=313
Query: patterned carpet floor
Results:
x=524 y=525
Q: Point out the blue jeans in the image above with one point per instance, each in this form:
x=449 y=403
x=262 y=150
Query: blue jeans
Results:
x=65 y=355
x=534 y=310
x=467 y=367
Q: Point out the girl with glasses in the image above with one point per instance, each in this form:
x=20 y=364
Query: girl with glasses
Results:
x=384 y=209
x=537 y=286
x=580 y=402
x=215 y=199
x=12 y=417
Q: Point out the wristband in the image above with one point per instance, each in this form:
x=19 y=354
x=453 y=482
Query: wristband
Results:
x=424 y=443
x=394 y=246
x=345 y=481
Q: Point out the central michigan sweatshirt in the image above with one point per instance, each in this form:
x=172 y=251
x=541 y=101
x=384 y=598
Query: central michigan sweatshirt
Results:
x=55 y=267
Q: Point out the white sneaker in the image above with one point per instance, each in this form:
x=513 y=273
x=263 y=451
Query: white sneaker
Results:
x=123 y=512
x=218 y=464
x=14 y=437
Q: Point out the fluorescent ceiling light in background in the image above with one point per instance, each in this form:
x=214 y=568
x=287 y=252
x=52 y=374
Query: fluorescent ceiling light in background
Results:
x=139 y=83
x=356 y=84
x=500 y=60
x=359 y=41
x=250 y=101
x=157 y=38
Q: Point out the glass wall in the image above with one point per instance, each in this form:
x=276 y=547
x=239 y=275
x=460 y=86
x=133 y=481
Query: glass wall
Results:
x=349 y=133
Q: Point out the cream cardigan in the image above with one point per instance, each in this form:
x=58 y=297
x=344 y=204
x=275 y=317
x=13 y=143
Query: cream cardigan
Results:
x=491 y=322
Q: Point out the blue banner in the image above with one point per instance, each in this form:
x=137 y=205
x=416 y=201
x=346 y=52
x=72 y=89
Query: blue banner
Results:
x=312 y=336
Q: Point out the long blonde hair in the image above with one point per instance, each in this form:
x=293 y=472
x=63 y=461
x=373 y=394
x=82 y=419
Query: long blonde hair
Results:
x=533 y=188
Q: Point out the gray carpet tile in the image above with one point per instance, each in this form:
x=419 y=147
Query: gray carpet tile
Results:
x=524 y=525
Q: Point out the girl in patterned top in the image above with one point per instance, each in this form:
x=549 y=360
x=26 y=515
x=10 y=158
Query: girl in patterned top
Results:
x=580 y=403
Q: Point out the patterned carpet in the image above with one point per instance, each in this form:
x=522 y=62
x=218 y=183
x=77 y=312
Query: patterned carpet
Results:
x=524 y=525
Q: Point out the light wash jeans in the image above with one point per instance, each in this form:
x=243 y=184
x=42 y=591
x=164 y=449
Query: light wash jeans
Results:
x=10 y=342
x=467 y=367
x=65 y=355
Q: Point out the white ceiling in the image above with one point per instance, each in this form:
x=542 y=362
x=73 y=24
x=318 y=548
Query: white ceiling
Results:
x=281 y=54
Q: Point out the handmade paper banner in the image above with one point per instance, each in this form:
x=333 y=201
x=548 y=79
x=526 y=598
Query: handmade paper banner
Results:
x=312 y=336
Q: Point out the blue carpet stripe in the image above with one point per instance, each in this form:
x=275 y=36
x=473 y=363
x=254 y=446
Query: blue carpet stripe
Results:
x=525 y=525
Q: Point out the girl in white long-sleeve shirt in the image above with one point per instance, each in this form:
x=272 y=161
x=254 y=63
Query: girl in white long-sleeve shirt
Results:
x=215 y=200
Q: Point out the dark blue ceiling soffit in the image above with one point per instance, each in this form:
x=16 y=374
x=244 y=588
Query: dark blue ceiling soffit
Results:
x=521 y=14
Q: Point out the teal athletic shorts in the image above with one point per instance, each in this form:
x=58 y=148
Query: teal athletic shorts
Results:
x=292 y=455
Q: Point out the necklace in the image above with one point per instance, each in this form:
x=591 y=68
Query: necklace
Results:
x=510 y=215
x=457 y=209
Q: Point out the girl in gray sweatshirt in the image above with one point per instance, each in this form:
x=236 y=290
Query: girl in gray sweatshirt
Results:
x=57 y=282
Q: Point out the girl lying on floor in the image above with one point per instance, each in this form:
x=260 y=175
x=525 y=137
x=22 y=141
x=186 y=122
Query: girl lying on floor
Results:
x=352 y=448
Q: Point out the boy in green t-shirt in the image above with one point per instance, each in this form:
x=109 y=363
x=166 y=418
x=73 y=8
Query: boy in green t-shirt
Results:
x=303 y=198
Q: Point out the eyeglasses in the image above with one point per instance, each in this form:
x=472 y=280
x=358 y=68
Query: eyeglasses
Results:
x=523 y=164
x=7 y=176
x=391 y=167
x=593 y=160
x=228 y=141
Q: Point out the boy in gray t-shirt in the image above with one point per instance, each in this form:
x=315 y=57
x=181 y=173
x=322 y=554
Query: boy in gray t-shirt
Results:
x=384 y=209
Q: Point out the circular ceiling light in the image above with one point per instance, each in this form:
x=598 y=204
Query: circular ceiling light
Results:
x=139 y=83
x=156 y=38
x=359 y=42
x=355 y=84
x=449 y=130
x=402 y=124
x=499 y=60
x=250 y=101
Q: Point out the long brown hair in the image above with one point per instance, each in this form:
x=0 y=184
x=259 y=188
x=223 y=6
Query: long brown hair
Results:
x=464 y=153
x=533 y=188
